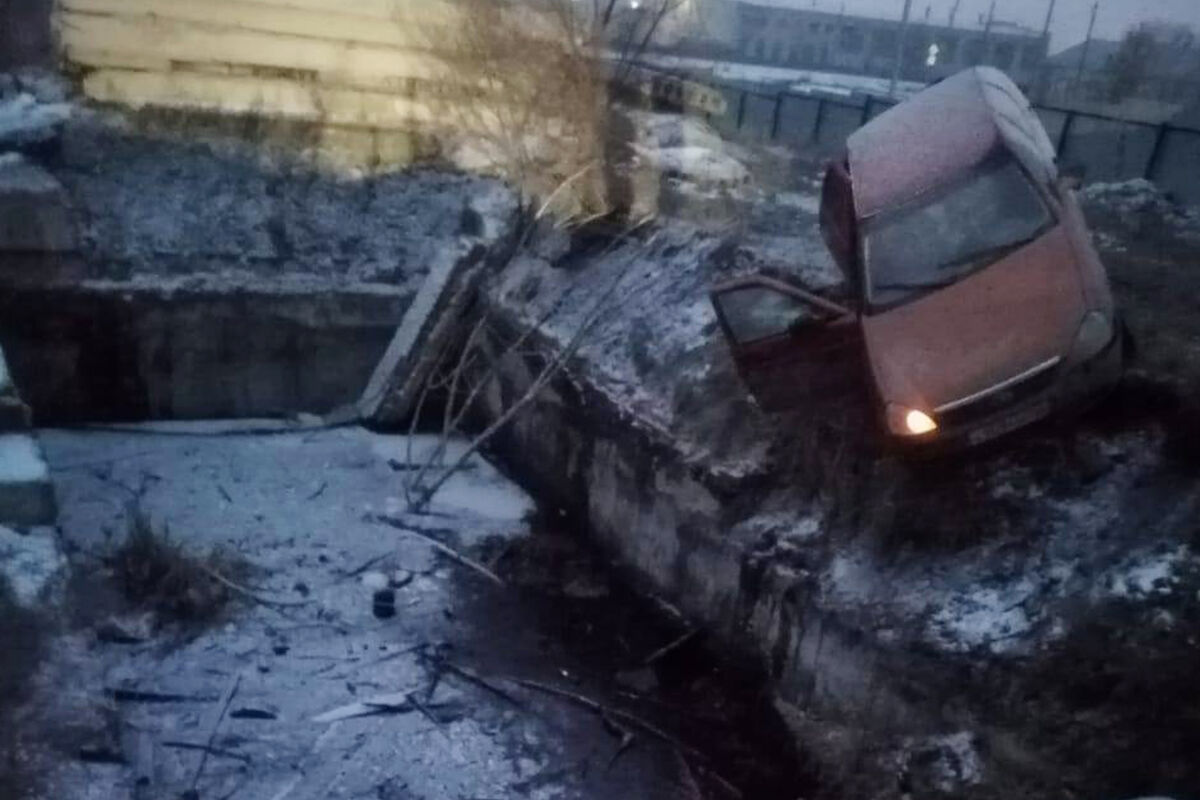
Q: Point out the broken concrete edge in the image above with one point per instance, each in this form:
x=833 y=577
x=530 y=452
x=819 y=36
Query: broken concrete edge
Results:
x=423 y=335
x=436 y=323
x=662 y=516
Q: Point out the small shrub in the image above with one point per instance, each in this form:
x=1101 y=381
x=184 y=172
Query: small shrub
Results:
x=154 y=572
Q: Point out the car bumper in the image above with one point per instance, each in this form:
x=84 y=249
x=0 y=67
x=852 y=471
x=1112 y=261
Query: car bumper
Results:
x=1075 y=389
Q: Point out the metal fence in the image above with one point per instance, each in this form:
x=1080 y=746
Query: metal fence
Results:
x=1096 y=147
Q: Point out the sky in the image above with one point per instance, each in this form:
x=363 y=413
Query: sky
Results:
x=1070 y=16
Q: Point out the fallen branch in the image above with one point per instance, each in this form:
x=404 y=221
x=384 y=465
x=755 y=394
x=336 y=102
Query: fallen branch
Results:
x=395 y=703
x=211 y=750
x=218 y=718
x=139 y=696
x=481 y=682
x=634 y=720
x=449 y=552
x=320 y=490
x=247 y=593
x=366 y=565
x=425 y=712
x=667 y=649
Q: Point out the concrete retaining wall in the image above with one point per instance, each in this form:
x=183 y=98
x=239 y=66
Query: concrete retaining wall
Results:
x=119 y=352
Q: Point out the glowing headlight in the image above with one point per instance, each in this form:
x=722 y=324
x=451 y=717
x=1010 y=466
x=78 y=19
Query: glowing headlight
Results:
x=909 y=421
x=1095 y=332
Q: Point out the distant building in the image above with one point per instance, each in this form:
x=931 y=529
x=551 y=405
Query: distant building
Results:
x=768 y=32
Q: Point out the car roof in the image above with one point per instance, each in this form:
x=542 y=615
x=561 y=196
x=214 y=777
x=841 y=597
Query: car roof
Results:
x=941 y=132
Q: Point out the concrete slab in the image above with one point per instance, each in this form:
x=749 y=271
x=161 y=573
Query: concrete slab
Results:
x=26 y=494
x=431 y=325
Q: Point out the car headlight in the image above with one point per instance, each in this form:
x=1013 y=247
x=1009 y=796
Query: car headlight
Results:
x=1095 y=333
x=904 y=421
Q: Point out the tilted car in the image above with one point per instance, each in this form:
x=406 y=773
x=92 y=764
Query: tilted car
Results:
x=975 y=303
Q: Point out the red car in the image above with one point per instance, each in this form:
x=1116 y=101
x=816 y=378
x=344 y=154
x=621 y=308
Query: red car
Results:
x=976 y=303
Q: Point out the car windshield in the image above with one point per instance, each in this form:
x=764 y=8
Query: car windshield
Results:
x=952 y=233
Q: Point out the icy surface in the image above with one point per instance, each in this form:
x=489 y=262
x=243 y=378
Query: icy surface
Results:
x=478 y=489
x=301 y=507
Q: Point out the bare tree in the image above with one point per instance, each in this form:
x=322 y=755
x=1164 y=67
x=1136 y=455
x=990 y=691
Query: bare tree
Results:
x=465 y=374
x=530 y=94
x=1132 y=63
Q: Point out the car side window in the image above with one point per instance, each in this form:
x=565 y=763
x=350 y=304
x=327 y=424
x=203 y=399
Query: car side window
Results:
x=754 y=313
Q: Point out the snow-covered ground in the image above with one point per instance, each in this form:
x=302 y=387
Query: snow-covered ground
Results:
x=687 y=148
x=300 y=507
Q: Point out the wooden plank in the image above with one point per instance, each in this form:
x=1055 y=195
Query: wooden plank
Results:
x=420 y=28
x=99 y=57
x=238 y=94
x=157 y=38
x=374 y=9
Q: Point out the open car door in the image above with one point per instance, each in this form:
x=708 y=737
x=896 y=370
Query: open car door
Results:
x=793 y=349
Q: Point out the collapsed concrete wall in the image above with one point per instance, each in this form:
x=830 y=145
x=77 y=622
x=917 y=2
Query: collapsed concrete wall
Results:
x=918 y=624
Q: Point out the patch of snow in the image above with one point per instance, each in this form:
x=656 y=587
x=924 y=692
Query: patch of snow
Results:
x=699 y=164
x=687 y=148
x=1136 y=198
x=989 y=618
x=28 y=562
x=479 y=489
x=20 y=460
x=808 y=203
x=789 y=526
x=1148 y=575
x=949 y=762
x=1137 y=192
x=23 y=120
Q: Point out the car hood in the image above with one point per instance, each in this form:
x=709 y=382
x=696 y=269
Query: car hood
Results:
x=1014 y=315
